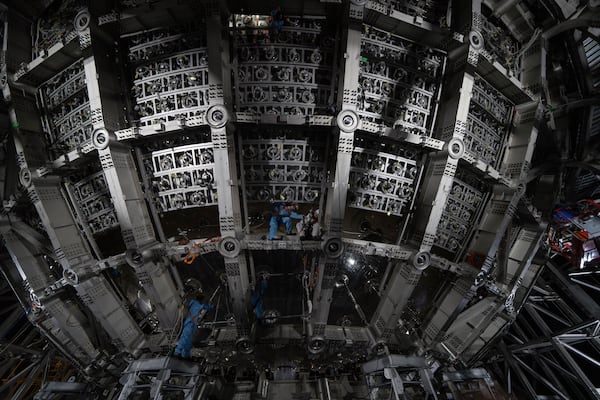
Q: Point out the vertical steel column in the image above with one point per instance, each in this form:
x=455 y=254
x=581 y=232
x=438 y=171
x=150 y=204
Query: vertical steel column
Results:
x=226 y=177
x=34 y=271
x=521 y=274
x=442 y=166
x=405 y=278
x=119 y=169
x=333 y=218
x=70 y=249
x=577 y=294
x=73 y=254
x=459 y=304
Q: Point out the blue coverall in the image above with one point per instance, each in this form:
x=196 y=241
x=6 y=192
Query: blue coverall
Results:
x=281 y=215
x=277 y=20
x=256 y=299
x=184 y=346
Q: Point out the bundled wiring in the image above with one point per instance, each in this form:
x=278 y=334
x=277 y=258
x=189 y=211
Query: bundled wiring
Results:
x=192 y=254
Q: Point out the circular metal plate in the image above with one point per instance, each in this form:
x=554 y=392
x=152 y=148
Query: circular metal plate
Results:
x=82 y=20
x=456 y=148
x=100 y=139
x=476 y=40
x=421 y=260
x=347 y=121
x=333 y=247
x=217 y=116
x=229 y=247
x=25 y=177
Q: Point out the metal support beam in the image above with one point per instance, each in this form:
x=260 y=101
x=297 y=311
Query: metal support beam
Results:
x=442 y=166
x=34 y=270
x=584 y=300
x=399 y=289
x=71 y=251
x=480 y=279
x=117 y=162
x=576 y=368
x=225 y=171
x=335 y=207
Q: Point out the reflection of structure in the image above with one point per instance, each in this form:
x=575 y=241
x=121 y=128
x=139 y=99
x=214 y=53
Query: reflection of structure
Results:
x=574 y=232
x=433 y=137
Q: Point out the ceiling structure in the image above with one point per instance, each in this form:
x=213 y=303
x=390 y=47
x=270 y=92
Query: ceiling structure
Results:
x=145 y=144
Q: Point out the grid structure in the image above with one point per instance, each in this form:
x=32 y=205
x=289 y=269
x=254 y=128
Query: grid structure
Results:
x=285 y=73
x=68 y=117
x=488 y=123
x=399 y=81
x=432 y=11
x=93 y=199
x=55 y=26
x=460 y=212
x=283 y=169
x=501 y=45
x=170 y=76
x=382 y=182
x=183 y=177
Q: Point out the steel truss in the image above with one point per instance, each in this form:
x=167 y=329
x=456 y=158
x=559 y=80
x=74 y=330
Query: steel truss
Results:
x=553 y=347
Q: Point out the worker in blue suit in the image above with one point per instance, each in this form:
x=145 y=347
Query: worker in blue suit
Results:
x=282 y=215
x=256 y=299
x=194 y=313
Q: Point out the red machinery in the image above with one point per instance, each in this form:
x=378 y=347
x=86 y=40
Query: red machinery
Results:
x=574 y=232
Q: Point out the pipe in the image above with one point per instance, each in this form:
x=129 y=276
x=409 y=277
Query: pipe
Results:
x=9 y=382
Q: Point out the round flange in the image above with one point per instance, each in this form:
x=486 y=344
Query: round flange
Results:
x=100 y=138
x=217 y=116
x=271 y=317
x=134 y=258
x=34 y=298
x=358 y=2
x=25 y=177
x=193 y=285
x=3 y=80
x=347 y=121
x=70 y=276
x=82 y=20
x=476 y=40
x=379 y=348
x=230 y=318
x=456 y=148
x=333 y=247
x=229 y=247
x=480 y=279
x=509 y=303
x=421 y=260
x=244 y=345
x=316 y=344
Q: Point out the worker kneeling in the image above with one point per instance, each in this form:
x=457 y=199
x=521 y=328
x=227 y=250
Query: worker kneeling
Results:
x=283 y=213
x=196 y=310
